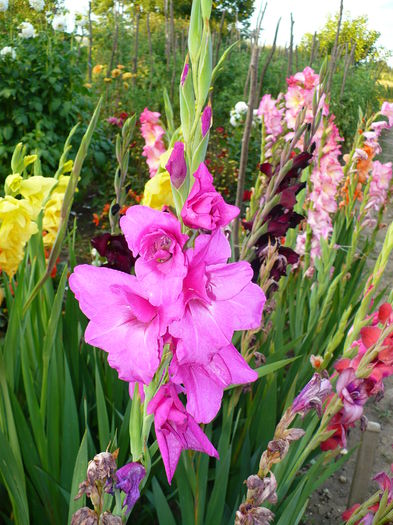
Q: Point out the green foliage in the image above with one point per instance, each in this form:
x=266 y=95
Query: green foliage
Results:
x=353 y=31
x=41 y=96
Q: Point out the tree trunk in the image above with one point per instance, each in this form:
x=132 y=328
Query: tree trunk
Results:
x=290 y=51
x=268 y=60
x=114 y=42
x=313 y=48
x=348 y=62
x=90 y=64
x=151 y=72
x=135 y=66
x=335 y=51
x=219 y=38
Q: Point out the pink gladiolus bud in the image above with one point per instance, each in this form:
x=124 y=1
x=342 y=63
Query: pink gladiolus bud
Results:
x=206 y=120
x=185 y=73
x=205 y=208
x=175 y=429
x=176 y=165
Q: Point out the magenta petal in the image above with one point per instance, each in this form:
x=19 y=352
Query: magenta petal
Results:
x=212 y=249
x=227 y=280
x=122 y=321
x=176 y=165
x=241 y=372
x=170 y=448
x=242 y=312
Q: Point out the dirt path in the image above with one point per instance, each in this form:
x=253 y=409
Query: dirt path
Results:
x=328 y=503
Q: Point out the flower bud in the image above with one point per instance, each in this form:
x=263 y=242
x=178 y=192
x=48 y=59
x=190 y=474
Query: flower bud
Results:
x=206 y=120
x=177 y=166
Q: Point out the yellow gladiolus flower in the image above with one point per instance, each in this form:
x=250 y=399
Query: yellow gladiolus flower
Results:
x=126 y=85
x=127 y=75
x=120 y=66
x=97 y=69
x=35 y=189
x=115 y=72
x=16 y=228
x=106 y=79
x=88 y=85
x=51 y=219
x=158 y=191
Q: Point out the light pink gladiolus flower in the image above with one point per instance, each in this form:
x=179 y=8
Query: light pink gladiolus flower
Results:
x=205 y=208
x=175 y=429
x=271 y=115
x=152 y=132
x=387 y=111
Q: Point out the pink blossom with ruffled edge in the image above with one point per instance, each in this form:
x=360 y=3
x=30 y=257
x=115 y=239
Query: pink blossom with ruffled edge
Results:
x=176 y=429
x=205 y=208
x=152 y=132
x=156 y=237
x=381 y=176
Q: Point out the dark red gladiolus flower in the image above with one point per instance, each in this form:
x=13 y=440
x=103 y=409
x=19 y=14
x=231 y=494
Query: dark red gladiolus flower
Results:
x=116 y=251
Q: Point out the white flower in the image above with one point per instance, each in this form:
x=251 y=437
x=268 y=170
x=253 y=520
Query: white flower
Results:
x=8 y=50
x=59 y=23
x=37 y=5
x=84 y=41
x=241 y=107
x=3 y=5
x=233 y=121
x=26 y=30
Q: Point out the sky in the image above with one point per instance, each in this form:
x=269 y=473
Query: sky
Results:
x=311 y=15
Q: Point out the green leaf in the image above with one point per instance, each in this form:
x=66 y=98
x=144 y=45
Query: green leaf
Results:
x=14 y=482
x=77 y=478
x=164 y=513
x=102 y=414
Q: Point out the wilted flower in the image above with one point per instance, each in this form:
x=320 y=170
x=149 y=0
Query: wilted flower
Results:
x=26 y=30
x=3 y=5
x=8 y=51
x=312 y=396
x=249 y=515
x=84 y=516
x=128 y=480
x=59 y=23
x=37 y=5
x=110 y=519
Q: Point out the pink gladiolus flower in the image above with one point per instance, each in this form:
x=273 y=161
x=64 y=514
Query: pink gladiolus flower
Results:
x=205 y=208
x=152 y=132
x=271 y=115
x=156 y=237
x=205 y=383
x=175 y=429
x=176 y=165
x=387 y=111
x=219 y=298
x=206 y=120
x=122 y=321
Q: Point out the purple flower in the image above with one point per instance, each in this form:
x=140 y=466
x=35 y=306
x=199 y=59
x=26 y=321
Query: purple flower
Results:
x=205 y=208
x=176 y=165
x=175 y=429
x=206 y=120
x=156 y=237
x=353 y=393
x=128 y=480
x=205 y=383
x=185 y=73
x=385 y=483
x=312 y=396
x=116 y=251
